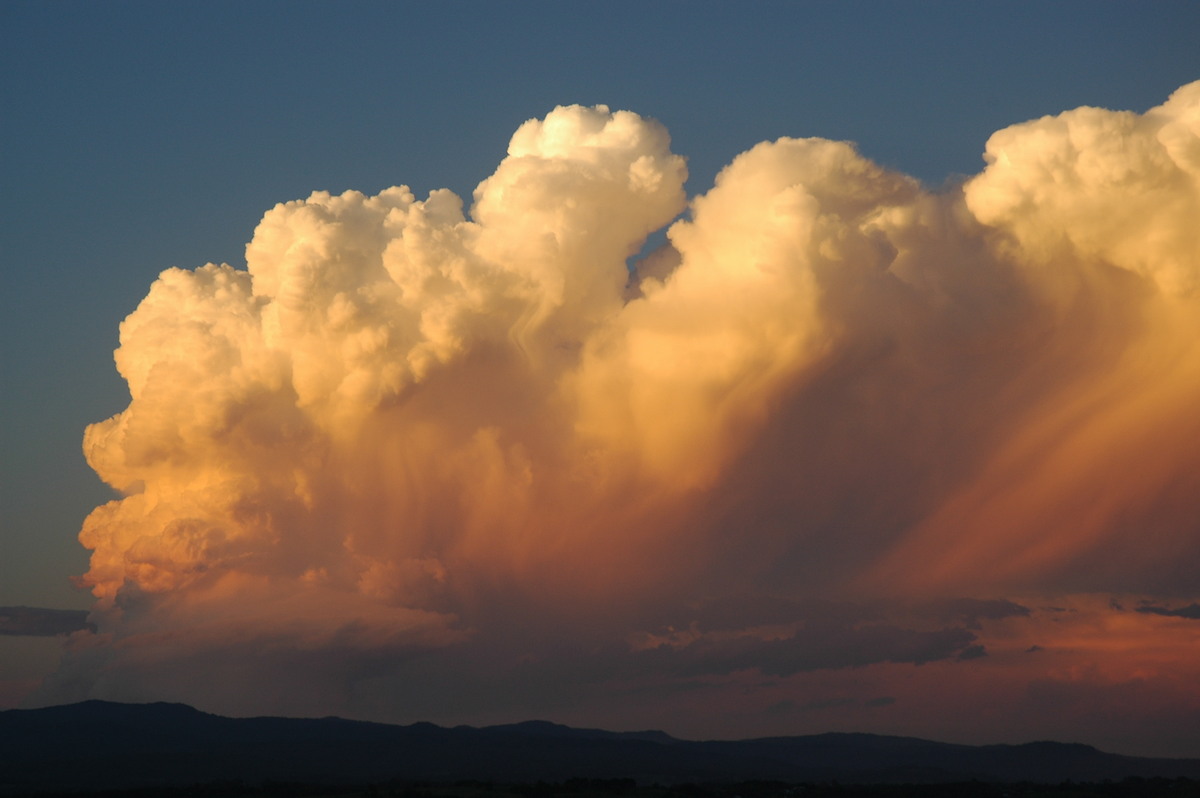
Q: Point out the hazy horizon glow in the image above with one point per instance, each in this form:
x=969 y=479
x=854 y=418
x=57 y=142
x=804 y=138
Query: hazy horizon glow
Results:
x=844 y=453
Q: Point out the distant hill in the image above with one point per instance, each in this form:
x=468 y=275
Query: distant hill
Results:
x=99 y=745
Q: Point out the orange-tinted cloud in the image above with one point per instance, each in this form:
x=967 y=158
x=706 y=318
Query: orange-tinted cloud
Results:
x=468 y=466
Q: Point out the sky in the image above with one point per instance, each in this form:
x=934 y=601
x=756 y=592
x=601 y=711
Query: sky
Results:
x=728 y=369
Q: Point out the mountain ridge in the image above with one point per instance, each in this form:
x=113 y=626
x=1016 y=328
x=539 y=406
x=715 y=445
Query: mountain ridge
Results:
x=96 y=745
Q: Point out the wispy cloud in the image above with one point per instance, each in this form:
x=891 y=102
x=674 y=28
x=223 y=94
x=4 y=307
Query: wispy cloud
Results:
x=1191 y=611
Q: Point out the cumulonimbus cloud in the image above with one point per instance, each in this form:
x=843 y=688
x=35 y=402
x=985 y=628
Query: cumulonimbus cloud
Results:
x=406 y=429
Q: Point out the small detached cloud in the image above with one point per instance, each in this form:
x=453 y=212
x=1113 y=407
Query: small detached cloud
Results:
x=817 y=645
x=1191 y=611
x=970 y=611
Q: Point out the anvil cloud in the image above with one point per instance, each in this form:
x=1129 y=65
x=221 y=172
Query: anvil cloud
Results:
x=841 y=449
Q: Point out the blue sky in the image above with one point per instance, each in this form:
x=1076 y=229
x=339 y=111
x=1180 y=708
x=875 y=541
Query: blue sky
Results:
x=142 y=135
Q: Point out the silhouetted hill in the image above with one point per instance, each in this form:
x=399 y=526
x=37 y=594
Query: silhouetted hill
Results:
x=100 y=745
x=544 y=728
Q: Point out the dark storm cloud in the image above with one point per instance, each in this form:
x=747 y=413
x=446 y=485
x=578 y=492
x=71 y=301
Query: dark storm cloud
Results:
x=970 y=611
x=42 y=622
x=819 y=645
x=733 y=613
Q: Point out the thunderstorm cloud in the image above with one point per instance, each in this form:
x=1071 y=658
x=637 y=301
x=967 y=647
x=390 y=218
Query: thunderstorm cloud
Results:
x=426 y=461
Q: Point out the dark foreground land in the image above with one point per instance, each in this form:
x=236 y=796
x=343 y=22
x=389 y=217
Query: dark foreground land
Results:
x=625 y=788
x=100 y=749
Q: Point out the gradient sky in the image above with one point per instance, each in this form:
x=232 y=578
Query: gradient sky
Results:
x=985 y=489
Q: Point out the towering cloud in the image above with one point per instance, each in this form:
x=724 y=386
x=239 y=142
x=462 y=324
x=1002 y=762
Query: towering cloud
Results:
x=415 y=452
